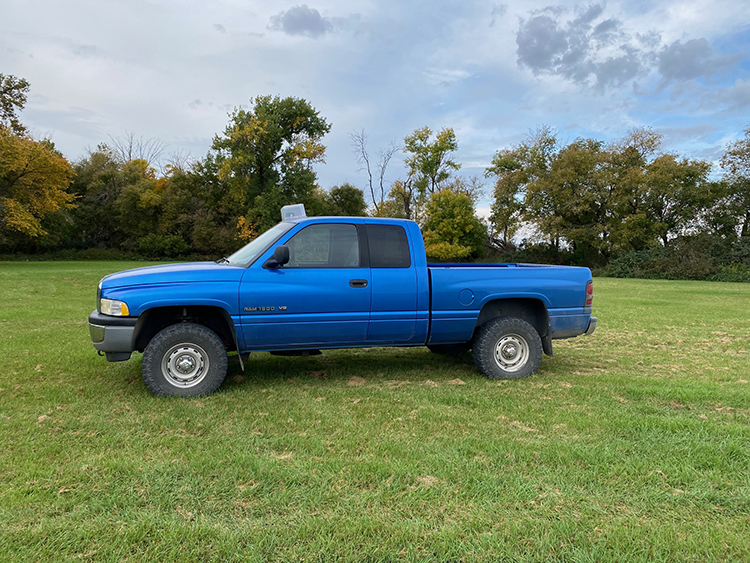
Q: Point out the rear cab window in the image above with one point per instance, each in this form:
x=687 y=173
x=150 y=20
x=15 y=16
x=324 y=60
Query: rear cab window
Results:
x=388 y=246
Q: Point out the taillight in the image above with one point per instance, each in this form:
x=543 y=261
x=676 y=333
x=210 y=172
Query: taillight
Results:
x=590 y=293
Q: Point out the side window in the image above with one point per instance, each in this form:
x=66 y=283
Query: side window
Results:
x=332 y=245
x=389 y=247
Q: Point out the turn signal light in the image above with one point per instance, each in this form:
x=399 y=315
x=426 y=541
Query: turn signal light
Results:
x=114 y=308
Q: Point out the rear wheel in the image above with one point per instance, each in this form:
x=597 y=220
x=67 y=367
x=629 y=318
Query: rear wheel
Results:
x=507 y=348
x=184 y=360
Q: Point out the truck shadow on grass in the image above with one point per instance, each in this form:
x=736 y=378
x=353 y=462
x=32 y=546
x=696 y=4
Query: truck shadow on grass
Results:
x=354 y=367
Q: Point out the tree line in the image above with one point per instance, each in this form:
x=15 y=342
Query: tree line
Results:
x=115 y=199
x=625 y=208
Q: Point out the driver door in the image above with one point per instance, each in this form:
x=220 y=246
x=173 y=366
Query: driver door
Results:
x=321 y=297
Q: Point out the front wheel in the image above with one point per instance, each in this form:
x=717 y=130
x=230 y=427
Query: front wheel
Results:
x=184 y=360
x=507 y=348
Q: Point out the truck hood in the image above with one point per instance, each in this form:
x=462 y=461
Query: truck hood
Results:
x=190 y=272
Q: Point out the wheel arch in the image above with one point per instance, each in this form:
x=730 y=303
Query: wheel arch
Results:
x=154 y=320
x=531 y=310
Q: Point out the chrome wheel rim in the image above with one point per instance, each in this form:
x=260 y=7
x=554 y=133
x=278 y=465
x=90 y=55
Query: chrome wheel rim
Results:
x=185 y=365
x=512 y=352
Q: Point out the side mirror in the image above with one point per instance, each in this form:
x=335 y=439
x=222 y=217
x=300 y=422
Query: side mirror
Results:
x=279 y=258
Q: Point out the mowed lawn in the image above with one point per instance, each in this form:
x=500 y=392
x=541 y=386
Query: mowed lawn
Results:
x=629 y=445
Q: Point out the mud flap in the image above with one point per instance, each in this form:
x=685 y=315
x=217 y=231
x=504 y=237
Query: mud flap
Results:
x=547 y=344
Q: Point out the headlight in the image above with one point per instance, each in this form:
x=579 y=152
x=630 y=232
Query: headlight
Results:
x=114 y=308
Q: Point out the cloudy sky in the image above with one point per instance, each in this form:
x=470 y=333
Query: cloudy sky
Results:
x=491 y=70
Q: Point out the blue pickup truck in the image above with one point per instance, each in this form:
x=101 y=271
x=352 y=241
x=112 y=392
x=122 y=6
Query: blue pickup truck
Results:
x=313 y=283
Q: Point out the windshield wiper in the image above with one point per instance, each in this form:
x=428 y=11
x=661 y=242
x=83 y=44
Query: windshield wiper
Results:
x=224 y=260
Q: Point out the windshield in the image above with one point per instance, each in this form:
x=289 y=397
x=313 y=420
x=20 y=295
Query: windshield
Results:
x=250 y=252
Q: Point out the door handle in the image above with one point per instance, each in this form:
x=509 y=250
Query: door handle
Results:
x=358 y=283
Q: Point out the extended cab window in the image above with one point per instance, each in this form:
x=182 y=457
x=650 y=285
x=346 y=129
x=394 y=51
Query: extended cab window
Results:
x=389 y=247
x=332 y=245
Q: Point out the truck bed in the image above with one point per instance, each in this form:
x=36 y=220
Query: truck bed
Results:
x=459 y=291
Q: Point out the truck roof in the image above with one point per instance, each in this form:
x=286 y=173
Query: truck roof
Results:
x=347 y=219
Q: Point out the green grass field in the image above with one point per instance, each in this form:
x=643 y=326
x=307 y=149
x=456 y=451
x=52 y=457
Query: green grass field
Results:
x=629 y=445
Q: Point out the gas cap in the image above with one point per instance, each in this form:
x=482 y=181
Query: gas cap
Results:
x=466 y=297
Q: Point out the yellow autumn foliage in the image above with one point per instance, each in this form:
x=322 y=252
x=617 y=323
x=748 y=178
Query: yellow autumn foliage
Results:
x=33 y=180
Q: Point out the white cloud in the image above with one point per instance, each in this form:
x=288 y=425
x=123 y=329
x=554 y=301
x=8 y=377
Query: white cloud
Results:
x=301 y=20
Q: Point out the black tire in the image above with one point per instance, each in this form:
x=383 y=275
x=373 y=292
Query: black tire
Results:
x=449 y=349
x=184 y=360
x=507 y=348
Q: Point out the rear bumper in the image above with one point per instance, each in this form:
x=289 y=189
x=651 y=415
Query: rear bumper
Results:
x=112 y=335
x=569 y=324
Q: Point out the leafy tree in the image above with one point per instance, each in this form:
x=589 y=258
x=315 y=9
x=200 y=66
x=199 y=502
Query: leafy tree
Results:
x=430 y=162
x=13 y=93
x=472 y=187
x=630 y=224
x=506 y=217
x=347 y=200
x=570 y=201
x=655 y=197
x=98 y=182
x=402 y=200
x=343 y=200
x=216 y=215
x=676 y=195
x=139 y=204
x=516 y=170
x=266 y=154
x=452 y=231
x=429 y=165
x=33 y=180
x=190 y=210
x=736 y=165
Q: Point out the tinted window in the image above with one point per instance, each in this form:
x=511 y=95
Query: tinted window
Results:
x=324 y=246
x=389 y=247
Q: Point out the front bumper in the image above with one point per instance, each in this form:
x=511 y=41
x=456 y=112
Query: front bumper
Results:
x=592 y=326
x=112 y=335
